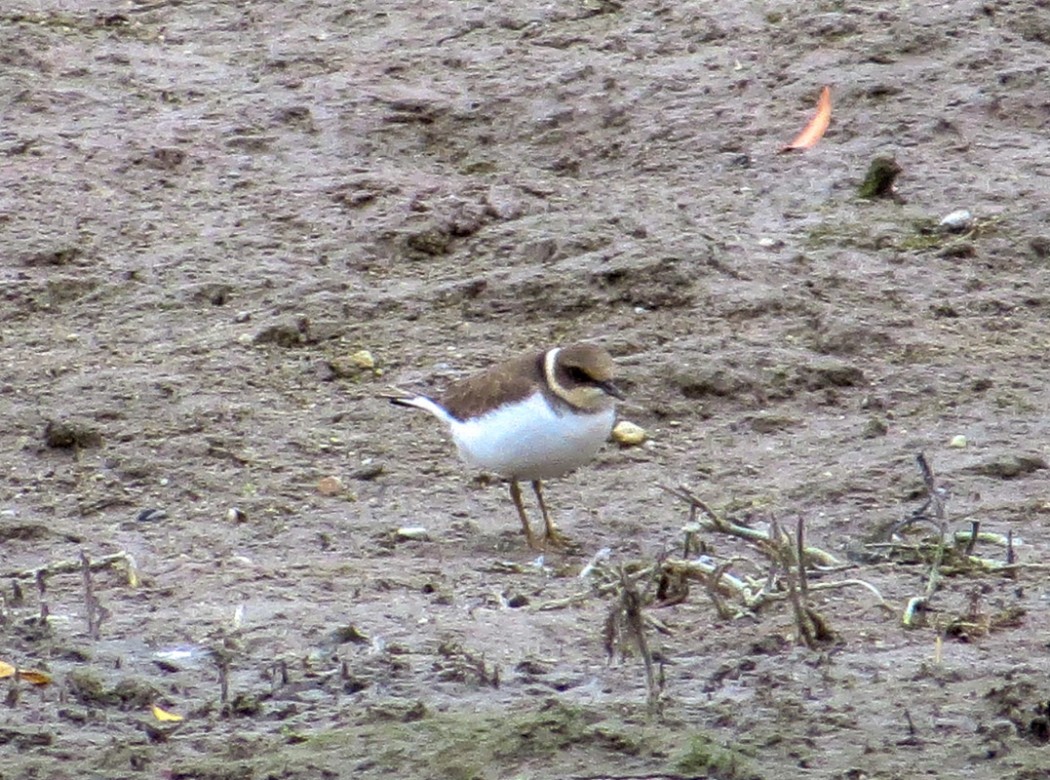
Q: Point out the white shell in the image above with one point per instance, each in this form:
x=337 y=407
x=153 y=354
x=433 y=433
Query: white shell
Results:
x=957 y=222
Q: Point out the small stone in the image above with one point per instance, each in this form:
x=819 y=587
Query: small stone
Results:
x=360 y=363
x=412 y=533
x=150 y=515
x=958 y=221
x=363 y=359
x=874 y=428
x=628 y=434
x=367 y=471
x=330 y=486
x=284 y=334
x=959 y=442
x=236 y=515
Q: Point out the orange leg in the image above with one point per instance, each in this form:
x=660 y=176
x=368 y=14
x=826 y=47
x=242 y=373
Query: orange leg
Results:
x=515 y=494
x=552 y=536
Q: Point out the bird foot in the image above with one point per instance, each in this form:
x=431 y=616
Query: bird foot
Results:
x=554 y=539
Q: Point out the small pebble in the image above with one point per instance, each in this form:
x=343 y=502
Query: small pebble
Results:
x=236 y=515
x=363 y=359
x=150 y=515
x=959 y=442
x=367 y=471
x=354 y=366
x=283 y=334
x=875 y=428
x=413 y=533
x=330 y=486
x=958 y=221
x=629 y=434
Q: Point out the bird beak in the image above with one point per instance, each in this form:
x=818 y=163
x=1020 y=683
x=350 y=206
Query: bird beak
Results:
x=610 y=389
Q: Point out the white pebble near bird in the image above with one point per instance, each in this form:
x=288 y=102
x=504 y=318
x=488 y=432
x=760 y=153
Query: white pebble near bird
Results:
x=533 y=417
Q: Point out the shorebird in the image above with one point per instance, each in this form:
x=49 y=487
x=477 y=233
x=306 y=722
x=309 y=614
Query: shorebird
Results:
x=533 y=417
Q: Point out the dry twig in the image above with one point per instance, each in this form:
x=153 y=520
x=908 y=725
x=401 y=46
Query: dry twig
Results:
x=95 y=612
x=932 y=512
x=625 y=622
x=118 y=560
x=711 y=520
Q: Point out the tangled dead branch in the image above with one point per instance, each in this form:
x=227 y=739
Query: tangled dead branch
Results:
x=785 y=568
x=783 y=572
x=788 y=563
x=943 y=552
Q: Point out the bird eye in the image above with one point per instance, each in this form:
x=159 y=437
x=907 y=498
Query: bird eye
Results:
x=578 y=375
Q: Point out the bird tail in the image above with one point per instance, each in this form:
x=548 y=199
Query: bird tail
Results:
x=400 y=397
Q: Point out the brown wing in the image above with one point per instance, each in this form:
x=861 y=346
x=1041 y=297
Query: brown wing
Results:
x=511 y=381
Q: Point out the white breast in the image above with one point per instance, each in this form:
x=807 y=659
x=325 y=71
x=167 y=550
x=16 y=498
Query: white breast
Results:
x=528 y=440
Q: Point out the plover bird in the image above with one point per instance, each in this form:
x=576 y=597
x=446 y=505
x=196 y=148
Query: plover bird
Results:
x=534 y=417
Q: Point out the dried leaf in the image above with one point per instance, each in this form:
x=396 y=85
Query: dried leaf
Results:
x=814 y=131
x=34 y=676
x=164 y=716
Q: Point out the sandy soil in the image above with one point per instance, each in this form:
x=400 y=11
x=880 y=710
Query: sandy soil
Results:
x=207 y=210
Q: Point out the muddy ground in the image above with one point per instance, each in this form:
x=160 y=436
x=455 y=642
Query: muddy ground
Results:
x=209 y=209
